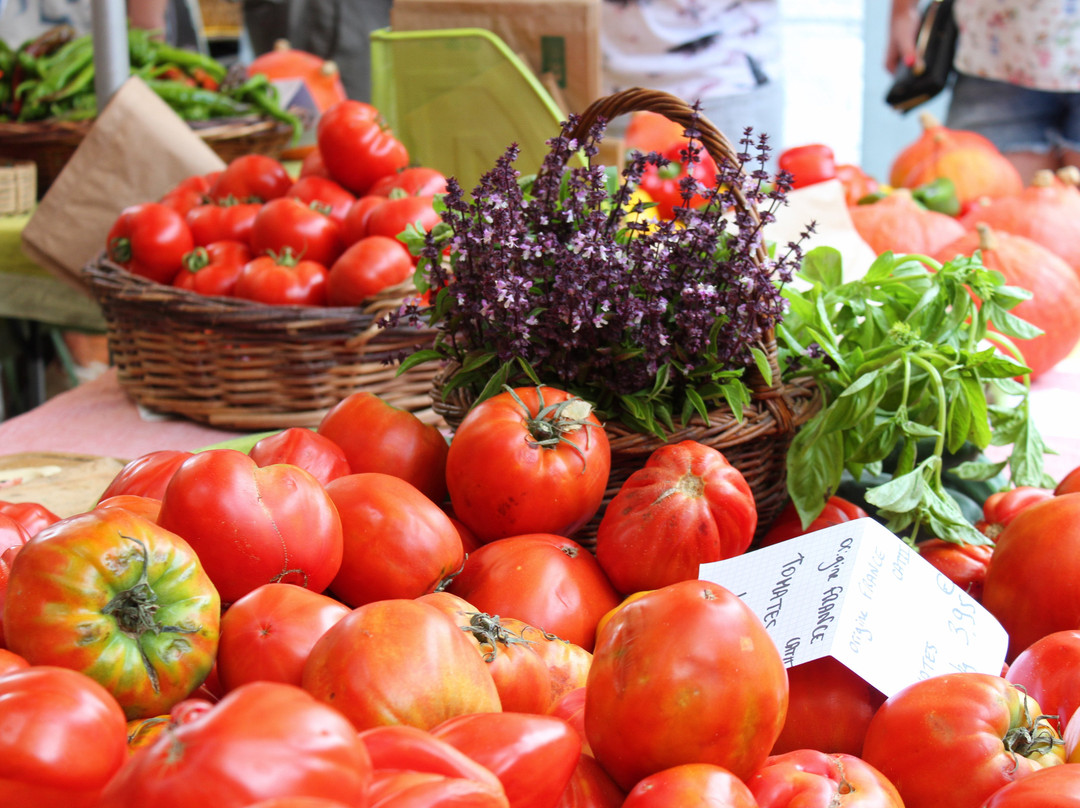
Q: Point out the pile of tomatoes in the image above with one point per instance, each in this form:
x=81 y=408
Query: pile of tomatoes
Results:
x=251 y=231
x=366 y=615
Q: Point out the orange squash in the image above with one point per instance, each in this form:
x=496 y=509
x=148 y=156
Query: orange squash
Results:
x=1047 y=211
x=897 y=223
x=1055 y=303
x=972 y=162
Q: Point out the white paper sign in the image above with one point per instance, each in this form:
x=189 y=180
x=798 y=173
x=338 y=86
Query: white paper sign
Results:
x=857 y=592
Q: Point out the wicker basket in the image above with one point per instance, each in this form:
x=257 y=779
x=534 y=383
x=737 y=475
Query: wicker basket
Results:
x=239 y=364
x=757 y=445
x=50 y=144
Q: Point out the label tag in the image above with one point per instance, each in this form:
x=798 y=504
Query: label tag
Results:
x=857 y=592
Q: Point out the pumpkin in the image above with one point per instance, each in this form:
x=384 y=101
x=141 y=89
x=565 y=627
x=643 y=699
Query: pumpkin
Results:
x=1047 y=211
x=897 y=223
x=971 y=161
x=1055 y=303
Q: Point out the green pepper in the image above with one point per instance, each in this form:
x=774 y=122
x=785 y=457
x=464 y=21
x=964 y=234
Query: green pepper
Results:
x=938 y=195
x=83 y=79
x=189 y=59
x=182 y=96
x=60 y=74
x=263 y=95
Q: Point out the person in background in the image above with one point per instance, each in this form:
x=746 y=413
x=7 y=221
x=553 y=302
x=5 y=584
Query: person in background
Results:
x=338 y=30
x=723 y=53
x=21 y=20
x=1017 y=77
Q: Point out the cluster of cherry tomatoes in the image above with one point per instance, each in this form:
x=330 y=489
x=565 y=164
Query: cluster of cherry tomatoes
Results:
x=329 y=237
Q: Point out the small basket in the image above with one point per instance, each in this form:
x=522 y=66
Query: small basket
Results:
x=758 y=444
x=50 y=143
x=18 y=187
x=239 y=364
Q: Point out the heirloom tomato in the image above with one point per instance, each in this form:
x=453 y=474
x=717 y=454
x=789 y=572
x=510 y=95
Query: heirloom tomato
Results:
x=399 y=662
x=354 y=227
x=413 y=181
x=12 y=533
x=64 y=738
x=288 y=224
x=300 y=802
x=808 y=778
x=591 y=787
x=532 y=755
x=150 y=239
x=147 y=475
x=324 y=193
x=956 y=738
x=1001 y=507
x=263 y=740
x=1056 y=787
x=10 y=661
x=546 y=580
x=33 y=516
x=829 y=708
x=401 y=788
x=1031 y=581
x=699 y=784
x=146 y=507
x=213 y=269
x=251 y=178
x=963 y=564
x=252 y=526
x=215 y=222
x=1070 y=483
x=268 y=634
x=7 y=558
x=528 y=460
x=356 y=147
x=365 y=268
x=567 y=663
x=683 y=674
x=397 y=542
x=314 y=453
x=313 y=166
x=398 y=211
x=406 y=748
x=377 y=436
x=120 y=599
x=685 y=507
x=788 y=525
x=663 y=184
x=1049 y=671
x=283 y=280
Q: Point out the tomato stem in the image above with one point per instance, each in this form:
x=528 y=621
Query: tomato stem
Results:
x=549 y=427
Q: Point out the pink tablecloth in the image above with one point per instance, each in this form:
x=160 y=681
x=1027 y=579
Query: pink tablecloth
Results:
x=98 y=418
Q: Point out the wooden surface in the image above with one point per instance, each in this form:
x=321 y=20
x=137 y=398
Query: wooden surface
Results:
x=66 y=484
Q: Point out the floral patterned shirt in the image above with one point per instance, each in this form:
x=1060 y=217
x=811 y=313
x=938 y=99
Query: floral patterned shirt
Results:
x=691 y=48
x=1032 y=43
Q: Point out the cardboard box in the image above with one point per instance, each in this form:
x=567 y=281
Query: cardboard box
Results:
x=558 y=39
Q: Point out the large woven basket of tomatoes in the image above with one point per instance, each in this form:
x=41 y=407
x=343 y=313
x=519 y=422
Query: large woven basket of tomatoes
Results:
x=247 y=299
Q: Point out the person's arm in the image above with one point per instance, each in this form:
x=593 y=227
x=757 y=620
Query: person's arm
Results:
x=147 y=14
x=903 y=29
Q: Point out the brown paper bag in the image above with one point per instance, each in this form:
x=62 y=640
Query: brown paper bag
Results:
x=137 y=150
x=558 y=39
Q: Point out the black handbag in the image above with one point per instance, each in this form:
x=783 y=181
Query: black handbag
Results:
x=935 y=47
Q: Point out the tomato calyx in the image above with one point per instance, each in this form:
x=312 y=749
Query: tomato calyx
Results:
x=134 y=610
x=196 y=259
x=488 y=630
x=553 y=422
x=1025 y=742
x=120 y=249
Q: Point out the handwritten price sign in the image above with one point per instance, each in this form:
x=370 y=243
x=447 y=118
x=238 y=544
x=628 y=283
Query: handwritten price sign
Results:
x=858 y=593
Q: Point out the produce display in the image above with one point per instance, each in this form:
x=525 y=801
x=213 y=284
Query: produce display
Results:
x=379 y=613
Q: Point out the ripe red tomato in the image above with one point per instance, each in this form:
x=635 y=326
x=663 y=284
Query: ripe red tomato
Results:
x=263 y=740
x=268 y=634
x=657 y=696
x=189 y=192
x=355 y=226
x=1049 y=671
x=401 y=788
x=213 y=269
x=10 y=661
x=548 y=581
x=150 y=240
x=974 y=731
x=1031 y=581
x=1001 y=507
x=663 y=184
x=399 y=662
x=251 y=178
x=252 y=526
x=788 y=524
x=813 y=779
x=401 y=747
x=685 y=507
x=147 y=475
x=214 y=222
x=12 y=533
x=33 y=516
x=808 y=165
x=146 y=507
x=7 y=558
x=116 y=597
x=283 y=280
x=591 y=787
x=64 y=738
x=650 y=131
x=829 y=708
x=532 y=755
x=529 y=460
x=857 y=183
x=1070 y=483
x=397 y=542
x=289 y=225
x=377 y=436
x=963 y=564
x=568 y=663
x=313 y=165
x=1056 y=787
x=356 y=147
x=413 y=181
x=690 y=784
x=396 y=213
x=367 y=267
x=314 y=453
x=328 y=195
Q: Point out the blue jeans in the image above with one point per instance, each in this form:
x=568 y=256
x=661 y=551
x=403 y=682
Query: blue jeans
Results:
x=1015 y=119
